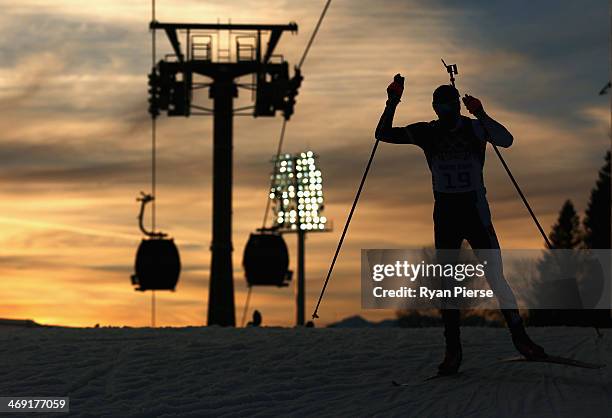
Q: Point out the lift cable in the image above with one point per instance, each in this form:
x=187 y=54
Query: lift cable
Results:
x=314 y=33
x=153 y=127
x=153 y=155
x=246 y=305
x=281 y=138
x=278 y=152
x=282 y=133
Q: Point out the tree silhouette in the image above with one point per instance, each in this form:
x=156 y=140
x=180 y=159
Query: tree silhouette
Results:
x=555 y=282
x=566 y=232
x=597 y=215
x=597 y=228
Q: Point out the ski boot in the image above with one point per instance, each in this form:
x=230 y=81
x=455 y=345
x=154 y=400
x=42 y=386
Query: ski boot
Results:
x=453 y=354
x=452 y=359
x=525 y=346
x=520 y=339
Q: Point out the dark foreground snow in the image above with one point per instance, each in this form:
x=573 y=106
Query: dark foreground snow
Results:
x=305 y=372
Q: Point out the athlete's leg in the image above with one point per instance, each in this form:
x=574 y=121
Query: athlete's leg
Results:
x=486 y=246
x=448 y=236
x=483 y=240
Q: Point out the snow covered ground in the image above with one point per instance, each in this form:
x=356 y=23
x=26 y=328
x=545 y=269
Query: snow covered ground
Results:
x=300 y=372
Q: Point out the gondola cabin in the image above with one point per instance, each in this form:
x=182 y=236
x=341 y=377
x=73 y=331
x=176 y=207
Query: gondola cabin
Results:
x=266 y=260
x=157 y=265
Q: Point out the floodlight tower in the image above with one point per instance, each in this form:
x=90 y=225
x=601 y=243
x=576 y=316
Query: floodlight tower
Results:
x=171 y=83
x=297 y=191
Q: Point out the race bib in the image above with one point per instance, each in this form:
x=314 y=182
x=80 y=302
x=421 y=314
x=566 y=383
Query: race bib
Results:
x=456 y=175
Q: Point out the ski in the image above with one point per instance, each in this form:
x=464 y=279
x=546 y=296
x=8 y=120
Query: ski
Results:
x=427 y=379
x=440 y=376
x=556 y=360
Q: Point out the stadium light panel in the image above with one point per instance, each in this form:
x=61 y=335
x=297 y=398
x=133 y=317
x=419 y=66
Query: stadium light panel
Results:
x=297 y=192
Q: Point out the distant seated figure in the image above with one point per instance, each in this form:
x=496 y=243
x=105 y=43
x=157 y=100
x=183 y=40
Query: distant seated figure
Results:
x=256 y=319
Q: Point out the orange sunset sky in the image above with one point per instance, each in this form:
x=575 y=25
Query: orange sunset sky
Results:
x=75 y=141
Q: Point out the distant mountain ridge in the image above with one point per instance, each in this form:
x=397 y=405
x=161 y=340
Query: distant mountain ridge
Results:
x=28 y=323
x=358 y=321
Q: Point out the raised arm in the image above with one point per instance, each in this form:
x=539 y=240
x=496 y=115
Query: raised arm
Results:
x=487 y=128
x=495 y=132
x=385 y=131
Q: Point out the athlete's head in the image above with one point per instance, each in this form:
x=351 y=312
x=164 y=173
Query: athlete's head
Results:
x=446 y=105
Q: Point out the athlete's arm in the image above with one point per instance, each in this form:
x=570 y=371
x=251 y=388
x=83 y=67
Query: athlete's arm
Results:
x=385 y=131
x=487 y=128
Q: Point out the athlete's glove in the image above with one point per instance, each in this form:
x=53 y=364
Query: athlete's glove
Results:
x=473 y=105
x=396 y=88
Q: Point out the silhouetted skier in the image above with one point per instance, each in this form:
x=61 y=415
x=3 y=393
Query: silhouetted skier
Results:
x=454 y=146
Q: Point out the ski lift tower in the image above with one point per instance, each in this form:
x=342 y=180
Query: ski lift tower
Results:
x=171 y=83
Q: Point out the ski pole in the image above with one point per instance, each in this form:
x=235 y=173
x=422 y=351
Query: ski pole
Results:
x=346 y=225
x=520 y=192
